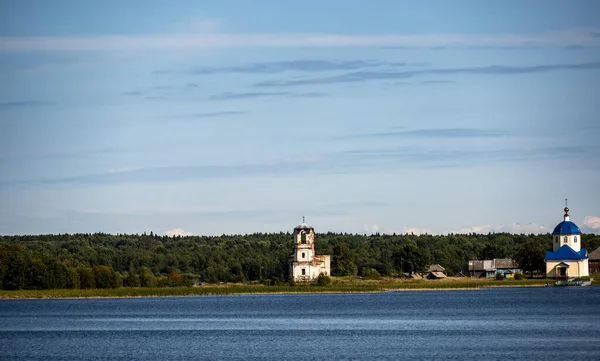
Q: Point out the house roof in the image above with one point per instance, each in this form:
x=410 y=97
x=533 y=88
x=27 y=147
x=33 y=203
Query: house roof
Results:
x=566 y=253
x=492 y=265
x=480 y=265
x=438 y=274
x=504 y=263
x=595 y=255
x=436 y=268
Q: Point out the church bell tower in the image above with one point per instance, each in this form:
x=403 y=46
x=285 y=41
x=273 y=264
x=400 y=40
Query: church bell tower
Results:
x=304 y=264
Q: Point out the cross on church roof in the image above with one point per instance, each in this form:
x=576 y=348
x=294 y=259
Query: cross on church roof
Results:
x=302 y=219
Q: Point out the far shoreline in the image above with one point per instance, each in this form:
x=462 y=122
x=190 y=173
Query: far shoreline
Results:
x=340 y=286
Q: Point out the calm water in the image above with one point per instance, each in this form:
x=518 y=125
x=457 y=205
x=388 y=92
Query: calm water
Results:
x=503 y=324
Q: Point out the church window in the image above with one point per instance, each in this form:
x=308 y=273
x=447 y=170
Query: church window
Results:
x=575 y=239
x=566 y=238
x=303 y=238
x=556 y=239
x=303 y=271
x=302 y=255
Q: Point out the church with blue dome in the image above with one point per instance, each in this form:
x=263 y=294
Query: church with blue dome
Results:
x=567 y=259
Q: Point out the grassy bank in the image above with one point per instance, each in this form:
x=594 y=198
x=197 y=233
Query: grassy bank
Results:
x=339 y=285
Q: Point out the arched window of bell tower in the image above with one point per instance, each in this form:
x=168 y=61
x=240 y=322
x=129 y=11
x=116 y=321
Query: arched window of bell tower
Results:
x=303 y=237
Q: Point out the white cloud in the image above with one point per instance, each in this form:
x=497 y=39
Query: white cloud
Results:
x=206 y=38
x=523 y=228
x=371 y=228
x=516 y=228
x=409 y=230
x=592 y=222
x=178 y=232
x=473 y=229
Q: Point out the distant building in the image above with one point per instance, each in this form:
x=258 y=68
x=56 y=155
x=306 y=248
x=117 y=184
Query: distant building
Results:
x=594 y=262
x=435 y=271
x=490 y=268
x=304 y=264
x=568 y=259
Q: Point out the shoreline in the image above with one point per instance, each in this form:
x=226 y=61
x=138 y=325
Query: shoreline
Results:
x=230 y=290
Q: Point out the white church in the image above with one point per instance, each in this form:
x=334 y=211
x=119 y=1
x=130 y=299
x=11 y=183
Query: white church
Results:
x=567 y=259
x=304 y=264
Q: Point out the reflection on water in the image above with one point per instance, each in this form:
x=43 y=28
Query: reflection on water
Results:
x=519 y=323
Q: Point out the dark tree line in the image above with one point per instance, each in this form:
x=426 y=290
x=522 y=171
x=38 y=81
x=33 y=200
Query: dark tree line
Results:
x=102 y=260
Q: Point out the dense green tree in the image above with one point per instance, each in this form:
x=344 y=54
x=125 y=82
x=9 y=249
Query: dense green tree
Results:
x=132 y=279
x=322 y=280
x=343 y=261
x=15 y=267
x=147 y=278
x=174 y=279
x=530 y=256
x=369 y=273
x=409 y=258
x=105 y=277
x=66 y=260
x=73 y=280
x=86 y=278
x=493 y=250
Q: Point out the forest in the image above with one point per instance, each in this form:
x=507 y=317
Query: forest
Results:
x=101 y=260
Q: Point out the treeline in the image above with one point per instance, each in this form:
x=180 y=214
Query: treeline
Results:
x=102 y=260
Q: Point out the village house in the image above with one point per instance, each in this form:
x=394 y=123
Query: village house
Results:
x=567 y=259
x=304 y=264
x=490 y=268
x=594 y=262
x=435 y=271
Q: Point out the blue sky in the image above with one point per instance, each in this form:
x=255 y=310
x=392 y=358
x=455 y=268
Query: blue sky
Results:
x=212 y=117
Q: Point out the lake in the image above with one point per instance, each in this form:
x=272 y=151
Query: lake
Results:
x=541 y=323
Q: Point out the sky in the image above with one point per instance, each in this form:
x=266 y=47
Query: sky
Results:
x=233 y=117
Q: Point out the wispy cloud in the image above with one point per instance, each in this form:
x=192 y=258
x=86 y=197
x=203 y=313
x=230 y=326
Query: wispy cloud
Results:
x=252 y=95
x=179 y=173
x=350 y=161
x=452 y=157
x=216 y=114
x=574 y=47
x=54 y=153
x=438 y=133
x=24 y=104
x=309 y=95
x=132 y=93
x=292 y=65
x=352 y=204
x=230 y=96
x=363 y=76
x=437 y=82
x=195 y=41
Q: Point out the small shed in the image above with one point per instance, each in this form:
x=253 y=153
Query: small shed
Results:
x=436 y=275
x=435 y=271
x=594 y=262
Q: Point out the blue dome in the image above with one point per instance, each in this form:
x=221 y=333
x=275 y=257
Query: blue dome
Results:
x=566 y=227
